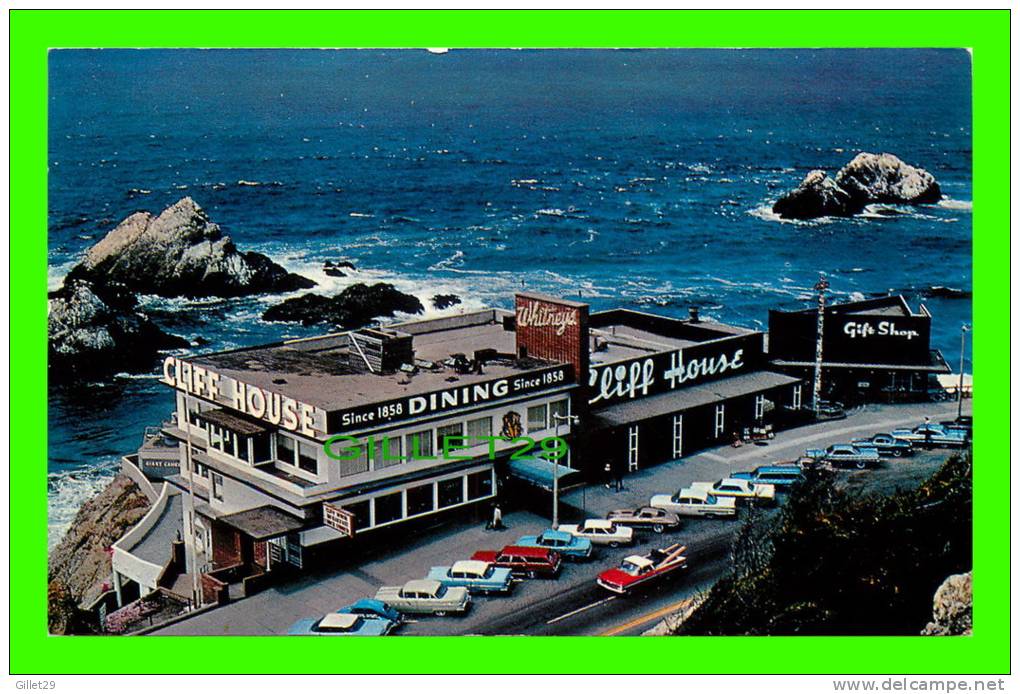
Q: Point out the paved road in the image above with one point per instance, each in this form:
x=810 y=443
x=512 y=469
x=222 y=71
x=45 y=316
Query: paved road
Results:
x=572 y=604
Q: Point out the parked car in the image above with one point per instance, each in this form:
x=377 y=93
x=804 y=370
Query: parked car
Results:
x=655 y=519
x=932 y=434
x=830 y=410
x=373 y=609
x=341 y=624
x=780 y=476
x=638 y=571
x=845 y=455
x=739 y=489
x=886 y=444
x=696 y=502
x=964 y=423
x=476 y=576
x=425 y=596
x=527 y=561
x=569 y=546
x=601 y=532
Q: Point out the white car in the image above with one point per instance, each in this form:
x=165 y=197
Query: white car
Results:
x=601 y=532
x=696 y=502
x=739 y=489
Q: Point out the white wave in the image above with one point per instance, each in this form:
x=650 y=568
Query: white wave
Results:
x=764 y=212
x=951 y=204
x=454 y=260
x=361 y=215
x=55 y=274
x=67 y=490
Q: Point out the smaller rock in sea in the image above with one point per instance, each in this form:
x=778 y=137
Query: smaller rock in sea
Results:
x=442 y=301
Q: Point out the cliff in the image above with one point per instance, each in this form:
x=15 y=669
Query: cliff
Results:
x=80 y=565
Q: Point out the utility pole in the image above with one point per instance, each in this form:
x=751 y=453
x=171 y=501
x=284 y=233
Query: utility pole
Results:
x=821 y=287
x=959 y=394
x=572 y=419
x=196 y=593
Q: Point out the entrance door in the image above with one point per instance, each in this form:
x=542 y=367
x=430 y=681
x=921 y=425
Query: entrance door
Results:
x=678 y=435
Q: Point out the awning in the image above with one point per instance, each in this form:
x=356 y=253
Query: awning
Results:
x=235 y=423
x=693 y=396
x=540 y=472
x=263 y=523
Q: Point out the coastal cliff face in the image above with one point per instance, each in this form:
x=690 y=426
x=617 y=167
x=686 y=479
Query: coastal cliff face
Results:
x=181 y=253
x=80 y=565
x=868 y=178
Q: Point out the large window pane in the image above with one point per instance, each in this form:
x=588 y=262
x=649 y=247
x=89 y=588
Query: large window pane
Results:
x=451 y=492
x=388 y=452
x=558 y=408
x=360 y=509
x=306 y=457
x=419 y=445
x=478 y=428
x=285 y=449
x=260 y=447
x=537 y=418
x=479 y=485
x=419 y=500
x=388 y=508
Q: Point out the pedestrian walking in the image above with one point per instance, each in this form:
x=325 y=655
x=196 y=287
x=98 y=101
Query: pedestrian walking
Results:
x=608 y=470
x=497 y=519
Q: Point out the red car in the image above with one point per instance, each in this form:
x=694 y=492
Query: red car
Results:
x=636 y=571
x=528 y=561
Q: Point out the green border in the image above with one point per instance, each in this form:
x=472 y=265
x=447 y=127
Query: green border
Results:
x=33 y=32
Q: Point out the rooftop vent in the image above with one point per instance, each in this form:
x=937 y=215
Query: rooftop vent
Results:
x=379 y=350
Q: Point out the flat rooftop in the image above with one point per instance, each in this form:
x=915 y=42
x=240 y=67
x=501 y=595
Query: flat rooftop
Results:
x=631 y=334
x=318 y=371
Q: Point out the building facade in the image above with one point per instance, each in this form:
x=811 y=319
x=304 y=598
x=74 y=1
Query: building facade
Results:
x=872 y=350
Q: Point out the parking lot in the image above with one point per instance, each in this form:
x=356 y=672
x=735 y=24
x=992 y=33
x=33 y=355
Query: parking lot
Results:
x=572 y=604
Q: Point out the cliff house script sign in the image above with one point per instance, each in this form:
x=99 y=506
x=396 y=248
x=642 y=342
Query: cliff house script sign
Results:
x=658 y=373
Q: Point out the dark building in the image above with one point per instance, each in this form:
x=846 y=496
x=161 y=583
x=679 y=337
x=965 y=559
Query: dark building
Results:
x=872 y=350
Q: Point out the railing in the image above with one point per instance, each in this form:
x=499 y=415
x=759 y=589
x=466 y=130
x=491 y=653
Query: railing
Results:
x=143 y=572
x=129 y=467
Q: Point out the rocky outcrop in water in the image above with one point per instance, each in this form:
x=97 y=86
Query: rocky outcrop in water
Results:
x=80 y=564
x=98 y=330
x=354 y=307
x=817 y=196
x=441 y=301
x=953 y=609
x=886 y=178
x=181 y=253
x=866 y=179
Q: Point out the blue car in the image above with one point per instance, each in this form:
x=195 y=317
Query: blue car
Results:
x=782 y=476
x=371 y=608
x=568 y=545
x=342 y=624
x=476 y=576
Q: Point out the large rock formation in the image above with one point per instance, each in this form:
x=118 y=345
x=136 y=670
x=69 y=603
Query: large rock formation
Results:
x=887 y=178
x=817 y=196
x=354 y=307
x=181 y=253
x=94 y=331
x=867 y=178
x=80 y=564
x=953 y=610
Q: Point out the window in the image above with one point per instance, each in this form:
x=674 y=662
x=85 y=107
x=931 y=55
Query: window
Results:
x=720 y=420
x=387 y=452
x=759 y=406
x=216 y=437
x=260 y=448
x=420 y=500
x=360 y=510
x=451 y=492
x=537 y=418
x=217 y=486
x=632 y=447
x=479 y=485
x=451 y=430
x=389 y=508
x=307 y=460
x=285 y=449
x=558 y=408
x=479 y=428
x=419 y=445
x=796 y=397
x=356 y=466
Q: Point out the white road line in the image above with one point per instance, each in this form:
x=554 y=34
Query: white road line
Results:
x=581 y=609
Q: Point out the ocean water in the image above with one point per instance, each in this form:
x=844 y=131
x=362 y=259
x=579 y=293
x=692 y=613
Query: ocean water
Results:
x=641 y=179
